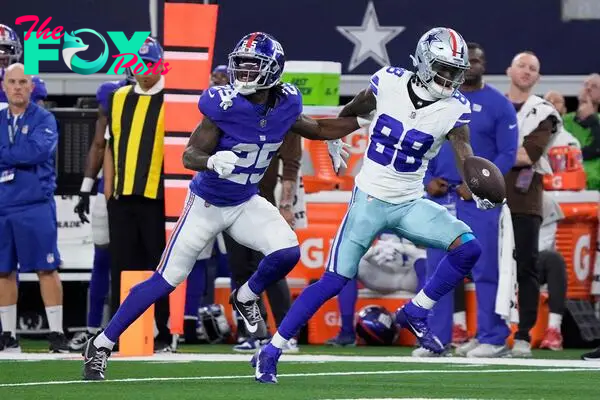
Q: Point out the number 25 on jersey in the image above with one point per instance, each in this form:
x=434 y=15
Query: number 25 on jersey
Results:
x=391 y=144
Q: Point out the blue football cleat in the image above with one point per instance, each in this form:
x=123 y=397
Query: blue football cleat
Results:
x=265 y=364
x=419 y=328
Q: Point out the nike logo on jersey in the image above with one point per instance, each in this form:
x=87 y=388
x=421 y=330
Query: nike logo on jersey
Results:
x=513 y=126
x=210 y=93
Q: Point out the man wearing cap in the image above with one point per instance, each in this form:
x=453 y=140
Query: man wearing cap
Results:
x=133 y=165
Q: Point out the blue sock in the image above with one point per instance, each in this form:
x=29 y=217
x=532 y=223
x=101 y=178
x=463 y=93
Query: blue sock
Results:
x=196 y=286
x=421 y=270
x=309 y=301
x=274 y=267
x=139 y=299
x=99 y=283
x=347 y=304
x=451 y=270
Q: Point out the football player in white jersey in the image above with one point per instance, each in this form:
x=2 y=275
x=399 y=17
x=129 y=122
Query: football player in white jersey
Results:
x=412 y=114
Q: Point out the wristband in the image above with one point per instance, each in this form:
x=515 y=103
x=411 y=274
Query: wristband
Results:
x=87 y=185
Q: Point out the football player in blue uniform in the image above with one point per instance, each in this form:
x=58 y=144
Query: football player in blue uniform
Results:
x=99 y=282
x=10 y=53
x=244 y=124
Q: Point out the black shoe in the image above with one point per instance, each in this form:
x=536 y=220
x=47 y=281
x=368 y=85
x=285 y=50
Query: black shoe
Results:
x=94 y=361
x=161 y=347
x=250 y=313
x=58 y=342
x=9 y=344
x=592 y=355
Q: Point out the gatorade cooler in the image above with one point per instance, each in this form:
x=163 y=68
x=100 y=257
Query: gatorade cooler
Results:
x=567 y=168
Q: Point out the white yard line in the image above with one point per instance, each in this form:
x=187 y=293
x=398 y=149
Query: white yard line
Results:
x=302 y=375
x=182 y=357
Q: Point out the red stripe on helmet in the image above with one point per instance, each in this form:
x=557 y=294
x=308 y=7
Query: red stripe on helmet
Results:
x=251 y=40
x=453 y=41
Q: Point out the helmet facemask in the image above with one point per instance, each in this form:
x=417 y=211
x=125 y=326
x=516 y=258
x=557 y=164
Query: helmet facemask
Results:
x=446 y=78
x=250 y=72
x=9 y=54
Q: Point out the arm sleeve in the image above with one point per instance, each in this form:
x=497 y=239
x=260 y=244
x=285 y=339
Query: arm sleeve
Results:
x=507 y=139
x=35 y=147
x=535 y=143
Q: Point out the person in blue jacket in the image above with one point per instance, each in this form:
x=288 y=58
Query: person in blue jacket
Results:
x=10 y=53
x=494 y=136
x=28 y=226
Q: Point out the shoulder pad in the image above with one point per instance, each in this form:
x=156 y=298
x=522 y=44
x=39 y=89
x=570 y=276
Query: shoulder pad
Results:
x=383 y=74
x=293 y=94
x=216 y=100
x=104 y=91
x=462 y=100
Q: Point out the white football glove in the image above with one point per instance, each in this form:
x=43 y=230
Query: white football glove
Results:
x=222 y=162
x=485 y=204
x=338 y=153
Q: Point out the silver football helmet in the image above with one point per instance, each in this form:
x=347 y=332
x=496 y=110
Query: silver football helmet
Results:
x=441 y=59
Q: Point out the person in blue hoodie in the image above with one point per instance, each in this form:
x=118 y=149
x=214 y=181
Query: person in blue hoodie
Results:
x=28 y=226
x=494 y=136
x=11 y=51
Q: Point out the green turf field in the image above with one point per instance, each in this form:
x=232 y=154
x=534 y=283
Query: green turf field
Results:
x=215 y=372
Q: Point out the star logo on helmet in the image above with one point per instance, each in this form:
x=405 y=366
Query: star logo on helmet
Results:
x=432 y=38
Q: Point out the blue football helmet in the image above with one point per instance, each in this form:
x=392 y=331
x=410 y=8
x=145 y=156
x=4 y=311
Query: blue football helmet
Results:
x=256 y=63
x=10 y=46
x=376 y=327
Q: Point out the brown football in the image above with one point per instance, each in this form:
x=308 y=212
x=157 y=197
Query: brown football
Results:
x=484 y=179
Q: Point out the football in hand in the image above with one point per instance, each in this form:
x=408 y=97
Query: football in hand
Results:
x=484 y=179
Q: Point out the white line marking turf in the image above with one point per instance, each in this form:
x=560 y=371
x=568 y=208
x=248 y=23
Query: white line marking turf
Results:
x=302 y=375
x=182 y=357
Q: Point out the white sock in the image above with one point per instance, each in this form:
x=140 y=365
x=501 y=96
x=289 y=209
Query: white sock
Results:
x=554 y=321
x=460 y=318
x=8 y=319
x=423 y=301
x=55 y=318
x=102 y=341
x=244 y=294
x=278 y=341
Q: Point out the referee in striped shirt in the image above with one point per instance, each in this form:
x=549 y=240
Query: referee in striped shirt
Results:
x=133 y=168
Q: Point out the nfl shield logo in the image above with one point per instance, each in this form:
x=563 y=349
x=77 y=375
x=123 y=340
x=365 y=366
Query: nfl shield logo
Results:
x=263 y=123
x=50 y=258
x=413 y=115
x=144 y=49
x=25 y=129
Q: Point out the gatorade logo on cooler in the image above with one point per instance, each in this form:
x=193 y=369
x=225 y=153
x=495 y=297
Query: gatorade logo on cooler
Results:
x=581 y=259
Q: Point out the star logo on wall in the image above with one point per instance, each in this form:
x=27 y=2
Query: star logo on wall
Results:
x=370 y=39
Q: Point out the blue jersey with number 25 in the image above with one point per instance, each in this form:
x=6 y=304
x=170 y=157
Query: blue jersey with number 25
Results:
x=402 y=138
x=253 y=136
